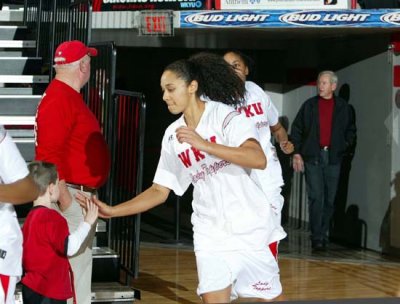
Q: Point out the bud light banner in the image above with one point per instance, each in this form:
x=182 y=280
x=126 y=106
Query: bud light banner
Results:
x=134 y=5
x=305 y=18
x=283 y=4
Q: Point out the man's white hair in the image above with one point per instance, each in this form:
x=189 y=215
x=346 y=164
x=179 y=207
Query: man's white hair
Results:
x=333 y=77
x=70 y=65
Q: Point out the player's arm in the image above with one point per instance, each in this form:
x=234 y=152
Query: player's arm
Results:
x=151 y=197
x=249 y=154
x=19 y=192
x=281 y=137
x=279 y=132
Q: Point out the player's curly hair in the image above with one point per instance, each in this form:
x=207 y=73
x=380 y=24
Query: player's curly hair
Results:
x=216 y=79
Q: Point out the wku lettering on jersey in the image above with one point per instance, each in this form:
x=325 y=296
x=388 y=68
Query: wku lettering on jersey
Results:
x=252 y=109
x=187 y=155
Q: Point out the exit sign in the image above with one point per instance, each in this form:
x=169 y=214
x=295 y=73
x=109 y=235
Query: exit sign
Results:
x=156 y=23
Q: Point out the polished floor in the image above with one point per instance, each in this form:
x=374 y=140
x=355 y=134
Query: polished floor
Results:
x=168 y=271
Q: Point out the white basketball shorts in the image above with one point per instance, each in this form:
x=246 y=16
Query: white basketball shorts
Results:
x=252 y=274
x=7 y=289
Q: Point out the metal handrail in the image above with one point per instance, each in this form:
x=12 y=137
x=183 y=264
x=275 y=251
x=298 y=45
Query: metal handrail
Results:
x=127 y=130
x=55 y=22
x=121 y=114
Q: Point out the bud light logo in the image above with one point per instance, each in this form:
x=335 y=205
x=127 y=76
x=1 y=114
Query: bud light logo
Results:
x=226 y=19
x=393 y=18
x=324 y=18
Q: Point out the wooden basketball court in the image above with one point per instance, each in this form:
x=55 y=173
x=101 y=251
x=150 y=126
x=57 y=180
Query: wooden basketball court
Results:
x=168 y=273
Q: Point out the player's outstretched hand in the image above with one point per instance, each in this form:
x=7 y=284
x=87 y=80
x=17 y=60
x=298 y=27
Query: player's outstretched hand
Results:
x=91 y=212
x=105 y=211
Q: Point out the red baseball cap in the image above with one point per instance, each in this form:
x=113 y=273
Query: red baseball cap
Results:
x=71 y=51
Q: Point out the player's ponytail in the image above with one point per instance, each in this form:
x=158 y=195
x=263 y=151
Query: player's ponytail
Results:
x=216 y=79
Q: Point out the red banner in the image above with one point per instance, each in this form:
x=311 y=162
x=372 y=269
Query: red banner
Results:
x=137 y=5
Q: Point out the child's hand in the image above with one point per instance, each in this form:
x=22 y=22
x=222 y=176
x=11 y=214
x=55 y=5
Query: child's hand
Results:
x=92 y=212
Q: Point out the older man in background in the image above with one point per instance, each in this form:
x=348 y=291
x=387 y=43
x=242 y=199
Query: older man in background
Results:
x=322 y=132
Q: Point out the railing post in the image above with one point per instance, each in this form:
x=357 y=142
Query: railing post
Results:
x=25 y=13
x=38 y=27
x=177 y=218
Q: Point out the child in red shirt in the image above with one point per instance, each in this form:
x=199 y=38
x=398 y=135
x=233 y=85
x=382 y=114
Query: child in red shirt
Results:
x=47 y=242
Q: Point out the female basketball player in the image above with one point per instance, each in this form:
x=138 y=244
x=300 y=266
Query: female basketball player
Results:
x=214 y=148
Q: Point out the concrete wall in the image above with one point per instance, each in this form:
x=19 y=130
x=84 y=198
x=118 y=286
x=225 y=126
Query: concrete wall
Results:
x=370 y=83
x=391 y=223
x=275 y=93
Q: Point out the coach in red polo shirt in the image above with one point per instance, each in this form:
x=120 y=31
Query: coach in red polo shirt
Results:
x=68 y=135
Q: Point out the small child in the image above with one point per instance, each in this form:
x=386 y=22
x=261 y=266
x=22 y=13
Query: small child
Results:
x=48 y=243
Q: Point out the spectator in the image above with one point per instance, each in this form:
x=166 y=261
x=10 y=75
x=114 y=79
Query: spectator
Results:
x=68 y=135
x=48 y=243
x=322 y=133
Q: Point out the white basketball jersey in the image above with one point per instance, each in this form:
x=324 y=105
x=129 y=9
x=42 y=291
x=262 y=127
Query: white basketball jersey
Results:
x=262 y=112
x=12 y=168
x=227 y=204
